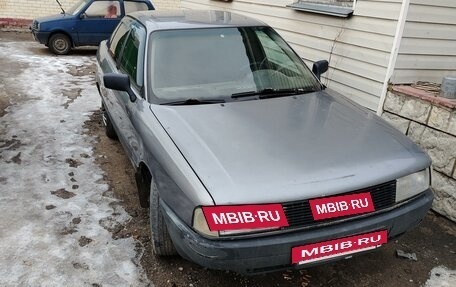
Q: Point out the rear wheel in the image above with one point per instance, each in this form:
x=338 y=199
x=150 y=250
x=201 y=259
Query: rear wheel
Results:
x=59 y=44
x=162 y=245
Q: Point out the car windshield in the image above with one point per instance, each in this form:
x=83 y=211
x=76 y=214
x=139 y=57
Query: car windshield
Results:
x=77 y=7
x=216 y=63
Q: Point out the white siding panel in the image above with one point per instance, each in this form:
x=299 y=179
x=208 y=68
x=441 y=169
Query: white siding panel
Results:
x=383 y=10
x=412 y=76
x=341 y=35
x=278 y=3
x=362 y=69
x=431 y=14
x=430 y=31
x=355 y=95
x=439 y=3
x=338 y=76
x=428 y=49
x=301 y=19
x=389 y=1
x=358 y=48
x=423 y=46
x=362 y=54
x=426 y=62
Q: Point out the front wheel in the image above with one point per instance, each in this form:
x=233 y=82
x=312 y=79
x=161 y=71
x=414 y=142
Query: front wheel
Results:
x=59 y=44
x=162 y=245
x=110 y=131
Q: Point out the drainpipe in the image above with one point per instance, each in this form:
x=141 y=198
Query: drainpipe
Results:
x=394 y=52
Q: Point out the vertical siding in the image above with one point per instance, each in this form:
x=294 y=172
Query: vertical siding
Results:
x=358 y=48
x=428 y=47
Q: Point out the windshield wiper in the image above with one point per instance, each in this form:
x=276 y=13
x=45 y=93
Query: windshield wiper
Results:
x=193 y=101
x=271 y=93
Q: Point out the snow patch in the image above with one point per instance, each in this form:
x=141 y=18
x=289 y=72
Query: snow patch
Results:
x=41 y=232
x=441 y=277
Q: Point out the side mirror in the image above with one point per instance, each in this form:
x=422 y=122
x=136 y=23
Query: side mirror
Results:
x=319 y=68
x=119 y=82
x=83 y=16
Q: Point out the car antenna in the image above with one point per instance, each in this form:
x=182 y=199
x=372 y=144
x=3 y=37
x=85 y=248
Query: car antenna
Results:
x=60 y=6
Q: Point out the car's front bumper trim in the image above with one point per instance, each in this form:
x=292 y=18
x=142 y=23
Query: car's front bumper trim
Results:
x=269 y=253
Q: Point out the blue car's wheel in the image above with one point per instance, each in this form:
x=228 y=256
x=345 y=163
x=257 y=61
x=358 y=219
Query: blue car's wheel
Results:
x=59 y=44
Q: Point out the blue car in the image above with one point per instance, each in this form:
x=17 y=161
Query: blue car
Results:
x=87 y=23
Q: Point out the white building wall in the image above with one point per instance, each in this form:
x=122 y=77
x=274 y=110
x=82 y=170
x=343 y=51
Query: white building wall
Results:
x=428 y=47
x=358 y=48
x=29 y=9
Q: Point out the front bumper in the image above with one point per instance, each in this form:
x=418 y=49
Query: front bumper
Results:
x=271 y=253
x=40 y=37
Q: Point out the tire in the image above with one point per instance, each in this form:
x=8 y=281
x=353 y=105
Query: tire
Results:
x=162 y=245
x=59 y=44
x=110 y=131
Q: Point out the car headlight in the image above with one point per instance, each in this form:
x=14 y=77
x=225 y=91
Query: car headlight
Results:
x=36 y=25
x=413 y=184
x=200 y=224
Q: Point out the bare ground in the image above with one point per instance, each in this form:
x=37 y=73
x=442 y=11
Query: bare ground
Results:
x=433 y=242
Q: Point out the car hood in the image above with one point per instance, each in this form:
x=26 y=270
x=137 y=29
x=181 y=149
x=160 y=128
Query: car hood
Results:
x=289 y=148
x=57 y=17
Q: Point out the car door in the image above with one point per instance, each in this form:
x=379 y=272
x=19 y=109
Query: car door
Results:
x=97 y=21
x=131 y=62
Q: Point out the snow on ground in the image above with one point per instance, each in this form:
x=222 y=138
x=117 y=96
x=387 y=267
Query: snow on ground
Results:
x=441 y=277
x=51 y=191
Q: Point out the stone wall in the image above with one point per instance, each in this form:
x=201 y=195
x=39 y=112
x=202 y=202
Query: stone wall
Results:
x=30 y=9
x=430 y=121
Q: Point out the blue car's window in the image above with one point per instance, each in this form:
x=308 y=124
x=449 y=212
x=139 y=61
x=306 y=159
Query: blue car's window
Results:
x=216 y=63
x=77 y=7
x=103 y=9
x=135 y=6
x=134 y=46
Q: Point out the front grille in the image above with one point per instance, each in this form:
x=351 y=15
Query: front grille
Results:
x=35 y=25
x=299 y=214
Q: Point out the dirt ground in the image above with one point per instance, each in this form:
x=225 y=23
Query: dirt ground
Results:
x=433 y=241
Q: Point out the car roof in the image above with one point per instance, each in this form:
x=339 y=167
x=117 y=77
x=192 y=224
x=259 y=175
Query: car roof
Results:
x=192 y=19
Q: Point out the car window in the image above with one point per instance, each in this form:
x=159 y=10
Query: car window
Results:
x=103 y=9
x=131 y=59
x=274 y=53
x=135 y=6
x=118 y=37
x=77 y=7
x=203 y=61
x=219 y=62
